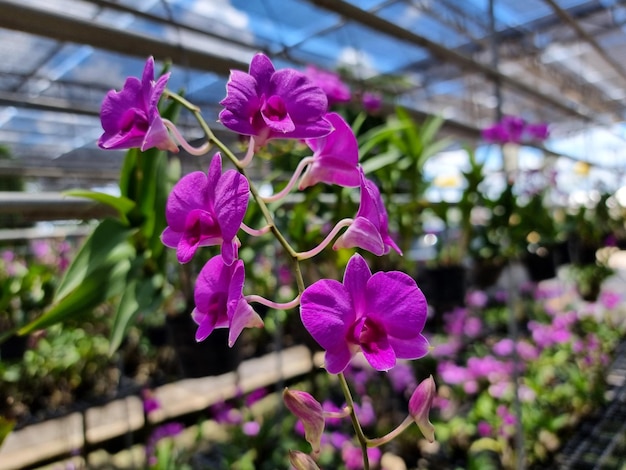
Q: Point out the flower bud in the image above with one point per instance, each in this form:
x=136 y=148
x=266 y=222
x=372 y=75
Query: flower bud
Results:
x=310 y=412
x=301 y=461
x=419 y=407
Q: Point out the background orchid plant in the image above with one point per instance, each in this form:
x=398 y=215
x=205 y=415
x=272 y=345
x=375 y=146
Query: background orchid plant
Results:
x=380 y=315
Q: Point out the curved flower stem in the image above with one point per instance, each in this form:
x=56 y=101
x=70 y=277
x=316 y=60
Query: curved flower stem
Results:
x=247 y=159
x=392 y=434
x=268 y=303
x=338 y=414
x=355 y=420
x=333 y=233
x=294 y=178
x=253 y=189
x=255 y=232
x=197 y=151
x=205 y=127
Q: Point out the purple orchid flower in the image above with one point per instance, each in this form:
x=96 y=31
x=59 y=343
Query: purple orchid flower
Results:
x=330 y=82
x=496 y=134
x=270 y=104
x=220 y=302
x=206 y=209
x=382 y=315
x=372 y=101
x=514 y=127
x=336 y=157
x=538 y=132
x=130 y=118
x=370 y=229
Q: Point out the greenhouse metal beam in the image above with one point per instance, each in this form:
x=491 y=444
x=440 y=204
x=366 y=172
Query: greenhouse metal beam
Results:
x=386 y=27
x=34 y=20
x=46 y=103
x=575 y=25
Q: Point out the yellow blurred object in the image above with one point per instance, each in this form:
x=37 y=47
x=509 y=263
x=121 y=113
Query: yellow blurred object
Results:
x=582 y=168
x=447 y=181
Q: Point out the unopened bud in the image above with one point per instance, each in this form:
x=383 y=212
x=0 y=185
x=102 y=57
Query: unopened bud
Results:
x=310 y=412
x=301 y=461
x=419 y=407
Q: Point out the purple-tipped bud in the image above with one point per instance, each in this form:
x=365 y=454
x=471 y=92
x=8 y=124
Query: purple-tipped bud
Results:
x=301 y=461
x=310 y=412
x=419 y=407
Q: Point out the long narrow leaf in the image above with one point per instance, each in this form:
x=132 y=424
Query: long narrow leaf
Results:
x=104 y=247
x=139 y=296
x=120 y=203
x=100 y=286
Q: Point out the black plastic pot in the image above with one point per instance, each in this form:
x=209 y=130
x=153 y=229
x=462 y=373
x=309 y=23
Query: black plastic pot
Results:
x=200 y=359
x=540 y=266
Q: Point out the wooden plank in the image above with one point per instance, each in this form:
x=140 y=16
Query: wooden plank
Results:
x=61 y=436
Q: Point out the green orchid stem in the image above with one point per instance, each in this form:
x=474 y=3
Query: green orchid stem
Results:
x=205 y=127
x=253 y=189
x=355 y=420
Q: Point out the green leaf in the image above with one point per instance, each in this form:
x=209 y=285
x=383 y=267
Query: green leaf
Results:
x=139 y=295
x=6 y=426
x=107 y=245
x=127 y=175
x=380 y=161
x=100 y=285
x=120 y=203
x=379 y=135
x=430 y=128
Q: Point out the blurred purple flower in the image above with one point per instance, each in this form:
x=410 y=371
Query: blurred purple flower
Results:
x=515 y=129
x=225 y=413
x=365 y=412
x=504 y=347
x=338 y=439
x=473 y=327
x=335 y=157
x=206 y=209
x=329 y=406
x=370 y=229
x=130 y=118
x=150 y=402
x=41 y=250
x=353 y=458
x=382 y=315
x=484 y=429
x=452 y=373
x=255 y=396
x=448 y=349
x=270 y=104
x=251 y=428
x=476 y=299
x=539 y=132
x=527 y=351
x=8 y=256
x=159 y=433
x=330 y=82
x=610 y=300
x=219 y=300
x=402 y=378
x=372 y=101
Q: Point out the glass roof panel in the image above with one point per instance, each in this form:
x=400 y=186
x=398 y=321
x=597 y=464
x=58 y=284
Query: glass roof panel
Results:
x=419 y=21
x=538 y=51
x=366 y=51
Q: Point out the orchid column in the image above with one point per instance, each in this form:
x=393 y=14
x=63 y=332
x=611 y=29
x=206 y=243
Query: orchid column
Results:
x=379 y=315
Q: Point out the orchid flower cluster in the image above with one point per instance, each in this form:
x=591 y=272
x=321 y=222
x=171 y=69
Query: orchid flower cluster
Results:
x=380 y=315
x=514 y=129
